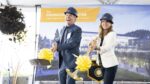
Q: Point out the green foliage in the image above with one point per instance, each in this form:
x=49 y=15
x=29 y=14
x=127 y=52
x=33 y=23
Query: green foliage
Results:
x=141 y=34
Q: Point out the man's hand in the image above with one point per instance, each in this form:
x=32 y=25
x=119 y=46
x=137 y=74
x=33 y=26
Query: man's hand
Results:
x=54 y=47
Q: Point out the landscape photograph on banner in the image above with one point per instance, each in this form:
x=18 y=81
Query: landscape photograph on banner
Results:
x=131 y=23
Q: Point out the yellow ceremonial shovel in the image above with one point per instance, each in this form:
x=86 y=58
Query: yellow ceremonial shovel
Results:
x=83 y=64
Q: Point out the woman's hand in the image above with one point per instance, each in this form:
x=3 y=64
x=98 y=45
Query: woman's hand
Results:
x=92 y=45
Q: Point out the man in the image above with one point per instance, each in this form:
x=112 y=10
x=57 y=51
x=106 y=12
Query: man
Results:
x=67 y=45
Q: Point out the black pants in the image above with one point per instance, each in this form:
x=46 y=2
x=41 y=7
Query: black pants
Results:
x=109 y=74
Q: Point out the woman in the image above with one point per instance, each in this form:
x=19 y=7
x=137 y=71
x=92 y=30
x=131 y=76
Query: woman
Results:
x=106 y=43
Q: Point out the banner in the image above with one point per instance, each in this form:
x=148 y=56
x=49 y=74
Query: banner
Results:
x=57 y=14
x=131 y=23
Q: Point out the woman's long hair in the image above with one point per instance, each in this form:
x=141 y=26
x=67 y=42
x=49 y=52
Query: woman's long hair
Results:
x=101 y=31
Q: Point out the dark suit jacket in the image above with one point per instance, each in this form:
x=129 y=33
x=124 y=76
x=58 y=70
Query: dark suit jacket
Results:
x=70 y=46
